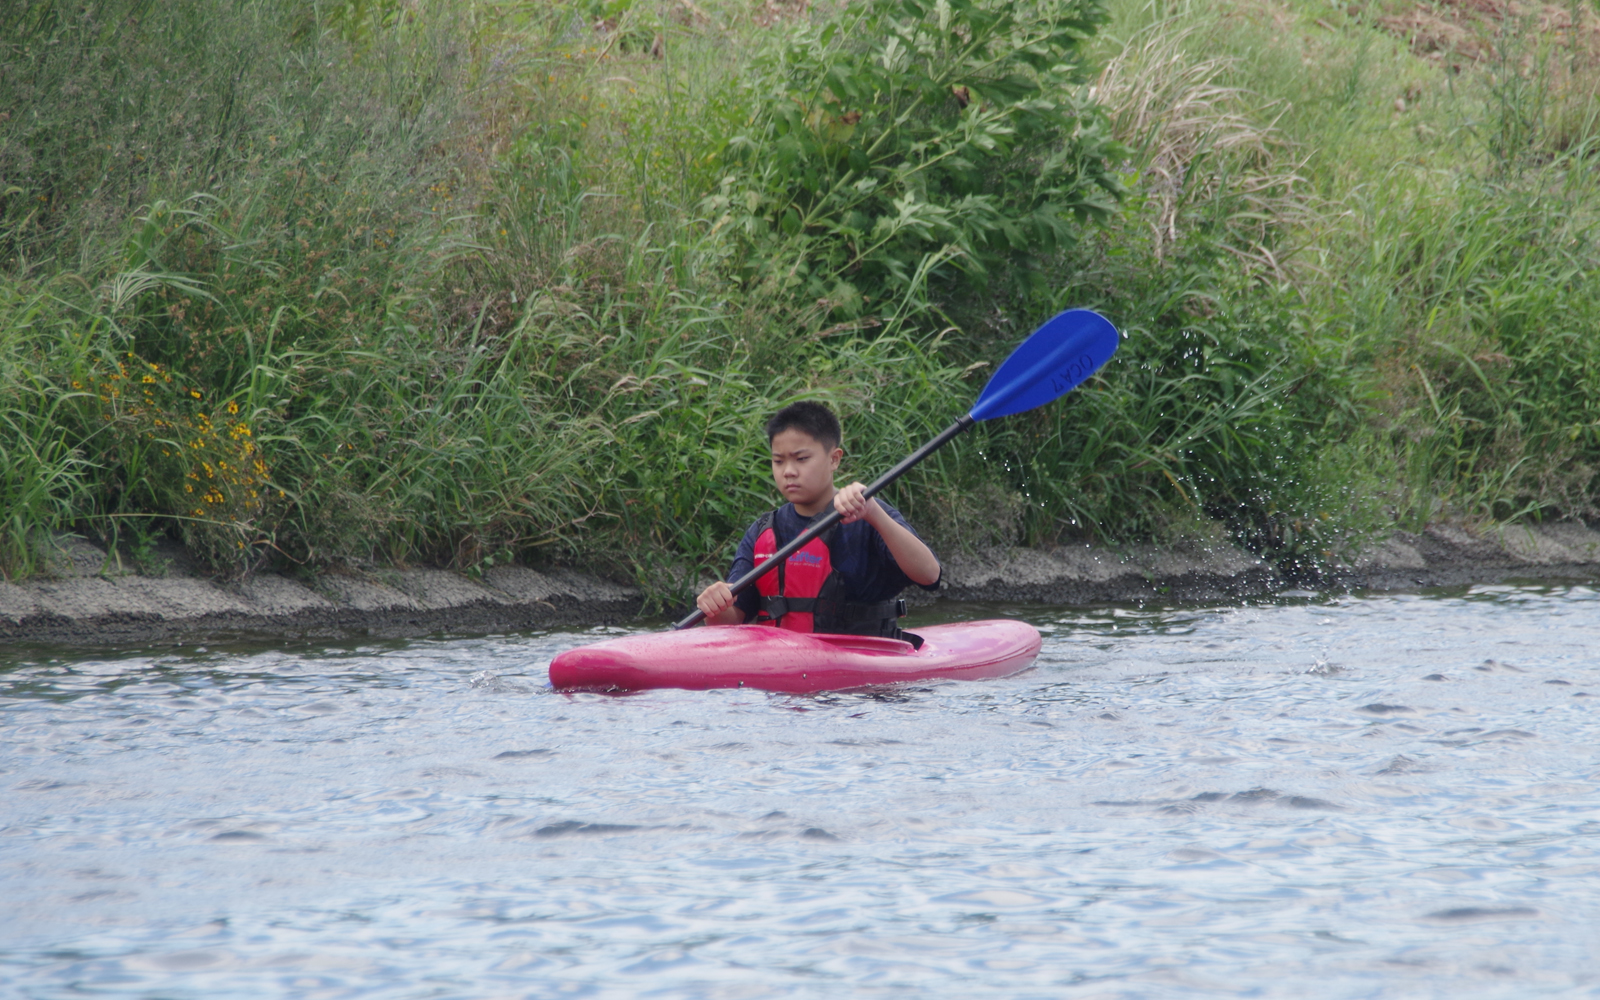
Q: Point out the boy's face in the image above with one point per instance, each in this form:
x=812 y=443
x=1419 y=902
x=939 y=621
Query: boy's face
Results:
x=803 y=469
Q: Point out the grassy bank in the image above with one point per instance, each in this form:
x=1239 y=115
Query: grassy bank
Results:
x=306 y=285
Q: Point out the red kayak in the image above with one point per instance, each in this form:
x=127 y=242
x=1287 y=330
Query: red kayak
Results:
x=777 y=659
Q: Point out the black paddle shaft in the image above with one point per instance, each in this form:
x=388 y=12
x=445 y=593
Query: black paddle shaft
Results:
x=833 y=517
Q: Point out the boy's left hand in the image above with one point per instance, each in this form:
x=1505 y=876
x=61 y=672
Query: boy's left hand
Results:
x=853 y=504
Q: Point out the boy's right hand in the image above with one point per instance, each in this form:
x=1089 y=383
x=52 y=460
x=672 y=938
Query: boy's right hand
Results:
x=714 y=600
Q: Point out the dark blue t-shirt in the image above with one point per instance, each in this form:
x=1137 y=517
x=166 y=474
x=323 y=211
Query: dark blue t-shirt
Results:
x=865 y=565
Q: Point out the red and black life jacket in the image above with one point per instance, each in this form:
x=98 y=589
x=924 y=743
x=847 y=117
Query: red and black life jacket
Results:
x=804 y=593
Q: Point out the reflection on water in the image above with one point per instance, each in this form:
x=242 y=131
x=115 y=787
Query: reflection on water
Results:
x=1360 y=797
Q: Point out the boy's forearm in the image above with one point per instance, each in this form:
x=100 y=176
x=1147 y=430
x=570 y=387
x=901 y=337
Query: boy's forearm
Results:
x=915 y=559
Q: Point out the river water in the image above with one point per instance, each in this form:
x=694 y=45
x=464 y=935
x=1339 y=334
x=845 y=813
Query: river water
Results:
x=1368 y=796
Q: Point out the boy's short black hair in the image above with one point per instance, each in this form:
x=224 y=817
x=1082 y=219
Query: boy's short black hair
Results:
x=809 y=418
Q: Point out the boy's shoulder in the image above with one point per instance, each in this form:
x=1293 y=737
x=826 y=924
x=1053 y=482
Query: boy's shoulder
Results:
x=765 y=519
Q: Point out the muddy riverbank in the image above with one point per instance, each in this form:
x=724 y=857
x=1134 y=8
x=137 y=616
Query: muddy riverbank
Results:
x=92 y=600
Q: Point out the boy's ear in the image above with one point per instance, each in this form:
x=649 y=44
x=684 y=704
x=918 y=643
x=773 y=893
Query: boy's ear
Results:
x=836 y=456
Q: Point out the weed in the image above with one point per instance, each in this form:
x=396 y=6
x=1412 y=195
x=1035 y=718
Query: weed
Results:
x=463 y=284
x=899 y=143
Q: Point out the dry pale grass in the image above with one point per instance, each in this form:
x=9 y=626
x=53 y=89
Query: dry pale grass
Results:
x=766 y=13
x=1200 y=142
x=1541 y=59
x=1473 y=30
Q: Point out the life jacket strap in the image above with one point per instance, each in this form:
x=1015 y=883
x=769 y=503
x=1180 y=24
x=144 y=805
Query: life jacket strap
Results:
x=837 y=611
x=777 y=607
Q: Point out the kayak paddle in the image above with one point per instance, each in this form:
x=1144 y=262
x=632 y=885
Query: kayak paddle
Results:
x=1049 y=364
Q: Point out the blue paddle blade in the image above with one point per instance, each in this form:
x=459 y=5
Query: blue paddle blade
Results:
x=1046 y=366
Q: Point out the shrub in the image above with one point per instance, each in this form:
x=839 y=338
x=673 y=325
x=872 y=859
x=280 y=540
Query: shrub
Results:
x=903 y=144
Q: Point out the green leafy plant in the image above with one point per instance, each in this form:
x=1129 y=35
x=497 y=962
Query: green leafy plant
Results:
x=494 y=280
x=903 y=142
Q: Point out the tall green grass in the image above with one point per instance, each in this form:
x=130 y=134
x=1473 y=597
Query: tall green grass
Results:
x=236 y=197
x=455 y=284
x=1446 y=251
x=45 y=480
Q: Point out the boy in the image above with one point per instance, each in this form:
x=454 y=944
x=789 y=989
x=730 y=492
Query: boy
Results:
x=846 y=581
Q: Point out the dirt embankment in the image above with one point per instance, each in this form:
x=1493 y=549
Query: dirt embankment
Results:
x=89 y=603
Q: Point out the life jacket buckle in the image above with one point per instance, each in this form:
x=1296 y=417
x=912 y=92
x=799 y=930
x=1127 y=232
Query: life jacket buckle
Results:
x=900 y=607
